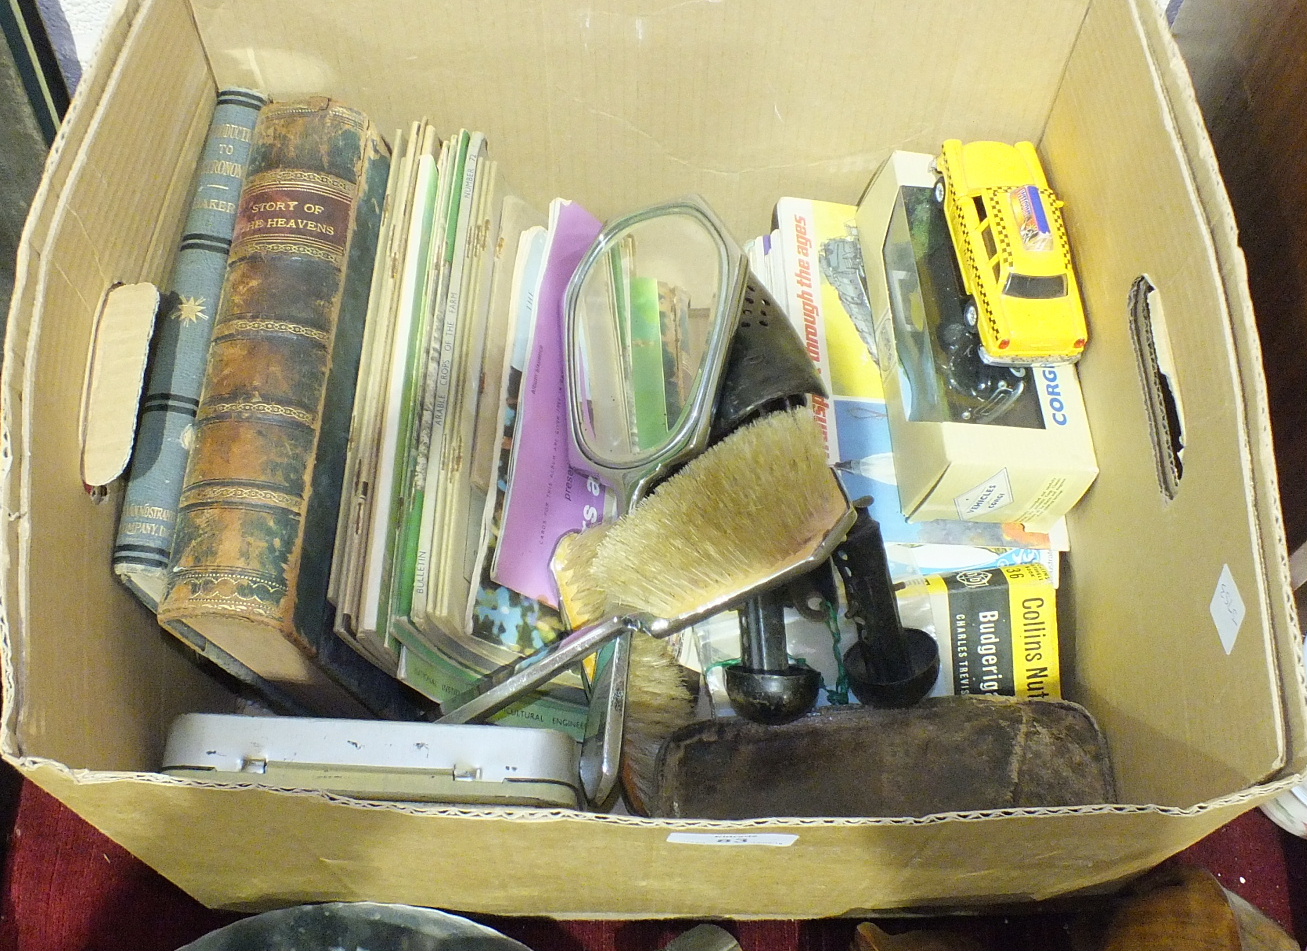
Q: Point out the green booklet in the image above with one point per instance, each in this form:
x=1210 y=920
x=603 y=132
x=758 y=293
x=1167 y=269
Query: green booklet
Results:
x=423 y=382
x=396 y=416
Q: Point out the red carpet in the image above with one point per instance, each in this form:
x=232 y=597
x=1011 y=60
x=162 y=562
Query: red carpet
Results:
x=68 y=888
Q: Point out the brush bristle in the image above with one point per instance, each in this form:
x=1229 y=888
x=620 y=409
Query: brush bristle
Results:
x=727 y=521
x=582 y=600
x=659 y=701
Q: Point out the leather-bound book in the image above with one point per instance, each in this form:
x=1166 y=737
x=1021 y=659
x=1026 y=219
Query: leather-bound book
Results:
x=255 y=527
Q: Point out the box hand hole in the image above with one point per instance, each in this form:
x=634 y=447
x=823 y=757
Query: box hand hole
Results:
x=1152 y=349
x=115 y=378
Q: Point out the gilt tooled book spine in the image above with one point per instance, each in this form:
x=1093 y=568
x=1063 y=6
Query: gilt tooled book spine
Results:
x=181 y=347
x=255 y=527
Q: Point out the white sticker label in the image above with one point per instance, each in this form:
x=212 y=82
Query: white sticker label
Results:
x=990 y=496
x=1227 y=609
x=732 y=838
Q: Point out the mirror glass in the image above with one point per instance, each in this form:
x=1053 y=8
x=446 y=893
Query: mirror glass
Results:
x=643 y=308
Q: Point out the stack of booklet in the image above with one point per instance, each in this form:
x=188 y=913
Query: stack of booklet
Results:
x=451 y=315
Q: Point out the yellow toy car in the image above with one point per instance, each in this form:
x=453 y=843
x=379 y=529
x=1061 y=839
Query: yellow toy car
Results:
x=1012 y=250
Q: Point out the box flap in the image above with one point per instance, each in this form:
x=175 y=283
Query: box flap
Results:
x=614 y=866
x=1211 y=181
x=1205 y=733
x=88 y=235
x=768 y=106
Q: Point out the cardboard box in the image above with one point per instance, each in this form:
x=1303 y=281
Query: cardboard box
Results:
x=1181 y=634
x=971 y=441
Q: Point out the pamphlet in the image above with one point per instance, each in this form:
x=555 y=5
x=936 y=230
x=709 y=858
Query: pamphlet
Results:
x=547 y=497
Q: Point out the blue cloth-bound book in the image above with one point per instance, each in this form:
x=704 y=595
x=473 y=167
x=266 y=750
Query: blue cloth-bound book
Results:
x=181 y=347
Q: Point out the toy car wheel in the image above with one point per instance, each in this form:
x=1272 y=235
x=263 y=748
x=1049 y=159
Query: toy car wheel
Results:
x=954 y=336
x=939 y=190
x=970 y=313
x=981 y=393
